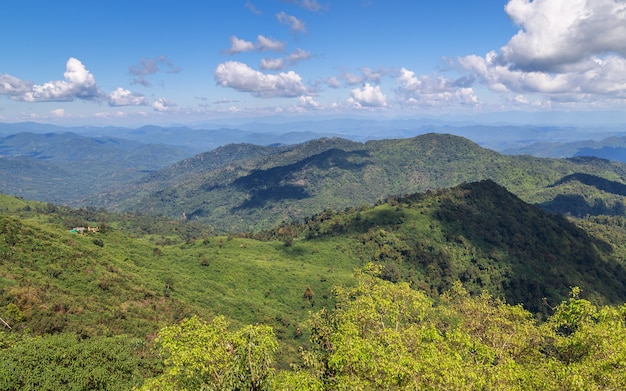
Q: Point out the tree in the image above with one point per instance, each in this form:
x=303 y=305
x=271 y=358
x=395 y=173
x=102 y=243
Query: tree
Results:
x=208 y=356
x=65 y=362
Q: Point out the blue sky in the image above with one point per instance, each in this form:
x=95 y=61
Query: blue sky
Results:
x=163 y=62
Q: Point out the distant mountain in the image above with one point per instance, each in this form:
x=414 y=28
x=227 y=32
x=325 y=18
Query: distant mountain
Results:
x=203 y=137
x=268 y=185
x=63 y=167
x=611 y=148
x=193 y=140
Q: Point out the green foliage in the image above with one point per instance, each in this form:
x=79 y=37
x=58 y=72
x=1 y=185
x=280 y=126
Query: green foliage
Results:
x=388 y=336
x=63 y=362
x=209 y=356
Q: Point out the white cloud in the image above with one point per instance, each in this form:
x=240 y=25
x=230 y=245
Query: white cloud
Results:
x=272 y=63
x=351 y=79
x=78 y=84
x=10 y=85
x=370 y=96
x=371 y=75
x=242 y=78
x=294 y=23
x=428 y=91
x=59 y=113
x=239 y=45
x=556 y=34
x=297 y=56
x=309 y=102
x=607 y=77
x=122 y=97
x=333 y=82
x=268 y=44
x=163 y=105
x=567 y=50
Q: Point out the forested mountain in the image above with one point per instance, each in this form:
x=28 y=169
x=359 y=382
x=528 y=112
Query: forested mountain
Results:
x=137 y=273
x=65 y=167
x=240 y=187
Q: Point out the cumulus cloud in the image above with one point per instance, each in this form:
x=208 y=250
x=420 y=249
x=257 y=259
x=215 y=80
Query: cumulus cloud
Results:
x=368 y=96
x=59 y=113
x=163 y=105
x=298 y=55
x=242 y=78
x=79 y=83
x=239 y=45
x=10 y=85
x=294 y=23
x=332 y=82
x=427 y=91
x=268 y=44
x=280 y=63
x=557 y=34
x=123 y=97
x=272 y=64
x=568 y=50
x=309 y=102
x=351 y=79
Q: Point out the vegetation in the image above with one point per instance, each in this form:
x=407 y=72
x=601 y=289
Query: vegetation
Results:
x=383 y=336
x=241 y=188
x=461 y=288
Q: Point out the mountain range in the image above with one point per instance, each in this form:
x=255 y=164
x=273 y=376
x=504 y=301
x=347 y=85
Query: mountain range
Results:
x=247 y=187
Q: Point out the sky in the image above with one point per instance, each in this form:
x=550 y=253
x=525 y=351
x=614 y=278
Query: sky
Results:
x=181 y=62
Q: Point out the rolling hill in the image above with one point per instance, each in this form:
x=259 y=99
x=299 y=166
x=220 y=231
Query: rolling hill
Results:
x=244 y=187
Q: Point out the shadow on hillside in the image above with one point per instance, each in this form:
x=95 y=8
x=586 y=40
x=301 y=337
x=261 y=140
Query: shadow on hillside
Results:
x=278 y=183
x=576 y=205
x=595 y=181
x=535 y=254
x=260 y=197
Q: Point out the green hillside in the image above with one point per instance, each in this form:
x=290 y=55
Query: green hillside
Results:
x=138 y=274
x=237 y=188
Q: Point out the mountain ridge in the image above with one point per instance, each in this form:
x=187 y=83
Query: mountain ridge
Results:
x=281 y=183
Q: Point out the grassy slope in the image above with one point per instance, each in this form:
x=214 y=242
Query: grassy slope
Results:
x=62 y=281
